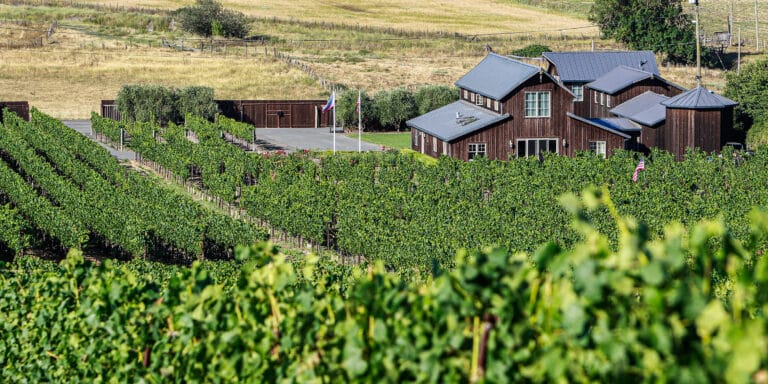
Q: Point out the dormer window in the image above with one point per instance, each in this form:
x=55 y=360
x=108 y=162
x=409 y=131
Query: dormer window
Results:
x=578 y=92
x=479 y=100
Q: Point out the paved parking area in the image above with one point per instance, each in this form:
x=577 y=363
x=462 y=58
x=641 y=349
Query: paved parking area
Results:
x=288 y=139
x=84 y=127
x=292 y=139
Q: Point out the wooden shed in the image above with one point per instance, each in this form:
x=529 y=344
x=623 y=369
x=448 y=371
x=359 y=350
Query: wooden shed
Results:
x=699 y=119
x=277 y=113
x=21 y=108
x=260 y=113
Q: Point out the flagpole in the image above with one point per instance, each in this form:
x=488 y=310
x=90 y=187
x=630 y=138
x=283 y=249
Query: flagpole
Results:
x=334 y=122
x=359 y=123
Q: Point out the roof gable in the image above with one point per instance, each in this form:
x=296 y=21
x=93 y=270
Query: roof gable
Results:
x=645 y=109
x=455 y=120
x=584 y=67
x=497 y=76
x=619 y=78
x=699 y=98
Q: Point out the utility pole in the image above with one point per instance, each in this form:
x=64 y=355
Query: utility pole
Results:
x=698 y=43
x=738 y=61
x=757 y=30
x=730 y=23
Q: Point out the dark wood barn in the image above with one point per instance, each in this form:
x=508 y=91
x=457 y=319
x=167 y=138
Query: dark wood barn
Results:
x=508 y=109
x=21 y=108
x=584 y=101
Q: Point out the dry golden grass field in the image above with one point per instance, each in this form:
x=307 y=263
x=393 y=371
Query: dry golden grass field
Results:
x=373 y=46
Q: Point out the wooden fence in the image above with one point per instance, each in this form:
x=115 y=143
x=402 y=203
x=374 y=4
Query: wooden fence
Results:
x=260 y=113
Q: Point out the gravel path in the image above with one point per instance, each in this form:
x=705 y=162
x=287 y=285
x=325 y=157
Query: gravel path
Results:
x=84 y=127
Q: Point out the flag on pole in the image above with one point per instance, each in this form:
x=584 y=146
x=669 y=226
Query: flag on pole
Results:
x=640 y=167
x=359 y=124
x=358 y=103
x=331 y=102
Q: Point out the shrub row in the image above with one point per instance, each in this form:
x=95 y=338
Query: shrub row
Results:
x=670 y=310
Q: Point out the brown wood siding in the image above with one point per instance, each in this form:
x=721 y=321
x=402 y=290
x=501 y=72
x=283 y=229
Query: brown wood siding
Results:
x=109 y=110
x=579 y=134
x=651 y=137
x=472 y=97
x=278 y=113
x=21 y=108
x=497 y=138
x=688 y=128
x=595 y=110
x=581 y=108
x=261 y=113
x=427 y=147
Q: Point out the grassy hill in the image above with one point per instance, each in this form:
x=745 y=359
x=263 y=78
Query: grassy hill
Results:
x=98 y=46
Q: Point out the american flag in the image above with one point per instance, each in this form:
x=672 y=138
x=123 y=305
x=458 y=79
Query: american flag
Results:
x=331 y=102
x=640 y=167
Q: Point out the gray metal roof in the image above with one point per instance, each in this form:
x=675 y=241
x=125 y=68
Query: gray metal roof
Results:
x=619 y=78
x=583 y=67
x=645 y=109
x=612 y=125
x=699 y=98
x=618 y=123
x=496 y=76
x=455 y=120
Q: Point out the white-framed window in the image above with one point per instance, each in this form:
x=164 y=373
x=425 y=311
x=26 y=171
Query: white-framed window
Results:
x=479 y=100
x=532 y=147
x=445 y=148
x=608 y=101
x=472 y=97
x=537 y=104
x=597 y=147
x=475 y=150
x=488 y=102
x=496 y=105
x=578 y=92
x=466 y=94
x=597 y=97
x=434 y=144
x=602 y=98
